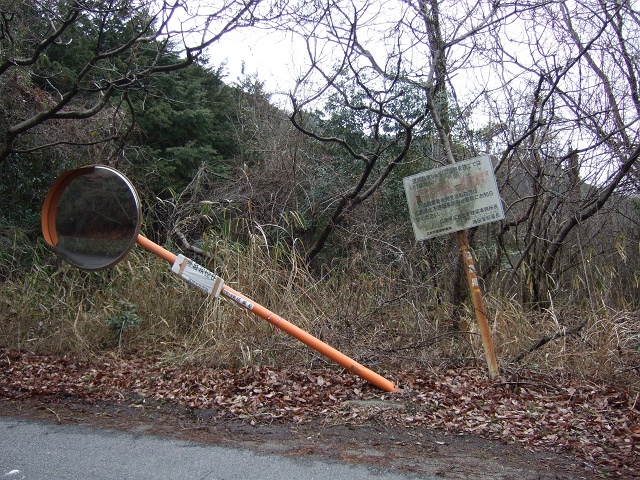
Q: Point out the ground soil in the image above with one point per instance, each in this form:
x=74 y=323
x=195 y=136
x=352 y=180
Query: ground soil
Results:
x=413 y=449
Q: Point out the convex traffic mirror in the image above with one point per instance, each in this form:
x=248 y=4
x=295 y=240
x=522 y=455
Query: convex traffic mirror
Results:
x=91 y=217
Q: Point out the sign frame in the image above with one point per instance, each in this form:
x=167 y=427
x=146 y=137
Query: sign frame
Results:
x=453 y=198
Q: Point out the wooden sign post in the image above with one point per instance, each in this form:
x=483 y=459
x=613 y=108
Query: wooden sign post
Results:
x=452 y=199
x=478 y=305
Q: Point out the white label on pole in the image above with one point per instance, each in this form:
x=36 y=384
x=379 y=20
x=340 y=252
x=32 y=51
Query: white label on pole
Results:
x=198 y=275
x=453 y=198
x=239 y=300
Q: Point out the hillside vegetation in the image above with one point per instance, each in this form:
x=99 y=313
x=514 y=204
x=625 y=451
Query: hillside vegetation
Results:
x=303 y=210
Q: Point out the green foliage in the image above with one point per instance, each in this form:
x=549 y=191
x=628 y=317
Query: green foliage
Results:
x=24 y=182
x=184 y=119
x=28 y=24
x=93 y=32
x=190 y=106
x=23 y=185
x=126 y=318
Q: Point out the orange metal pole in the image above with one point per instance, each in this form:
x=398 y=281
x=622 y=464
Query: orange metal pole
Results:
x=478 y=304
x=156 y=249
x=282 y=324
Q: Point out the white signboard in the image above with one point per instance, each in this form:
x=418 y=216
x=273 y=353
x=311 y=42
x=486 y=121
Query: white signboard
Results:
x=453 y=198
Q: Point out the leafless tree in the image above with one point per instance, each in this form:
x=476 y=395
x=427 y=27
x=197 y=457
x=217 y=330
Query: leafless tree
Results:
x=569 y=136
x=551 y=88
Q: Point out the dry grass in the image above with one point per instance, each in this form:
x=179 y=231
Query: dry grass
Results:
x=364 y=310
x=599 y=345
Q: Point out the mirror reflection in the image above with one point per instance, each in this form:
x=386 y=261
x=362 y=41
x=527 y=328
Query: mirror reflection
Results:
x=97 y=218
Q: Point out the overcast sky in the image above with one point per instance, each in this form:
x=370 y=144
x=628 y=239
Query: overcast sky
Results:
x=269 y=55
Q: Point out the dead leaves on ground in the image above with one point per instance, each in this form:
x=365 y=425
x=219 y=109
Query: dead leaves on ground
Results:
x=601 y=425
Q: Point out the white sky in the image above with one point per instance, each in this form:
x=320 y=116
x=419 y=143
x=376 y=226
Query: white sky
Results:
x=271 y=56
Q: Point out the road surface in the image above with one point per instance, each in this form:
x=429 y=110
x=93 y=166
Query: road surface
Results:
x=36 y=450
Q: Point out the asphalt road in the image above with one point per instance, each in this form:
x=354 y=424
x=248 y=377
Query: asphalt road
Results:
x=37 y=451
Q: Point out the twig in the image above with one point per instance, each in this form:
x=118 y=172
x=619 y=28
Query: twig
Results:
x=185 y=243
x=544 y=340
x=57 y=416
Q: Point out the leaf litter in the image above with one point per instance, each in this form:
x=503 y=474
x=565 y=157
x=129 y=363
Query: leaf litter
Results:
x=599 y=425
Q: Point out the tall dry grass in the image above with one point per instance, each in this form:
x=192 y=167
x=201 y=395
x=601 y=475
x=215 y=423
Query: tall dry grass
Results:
x=364 y=309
